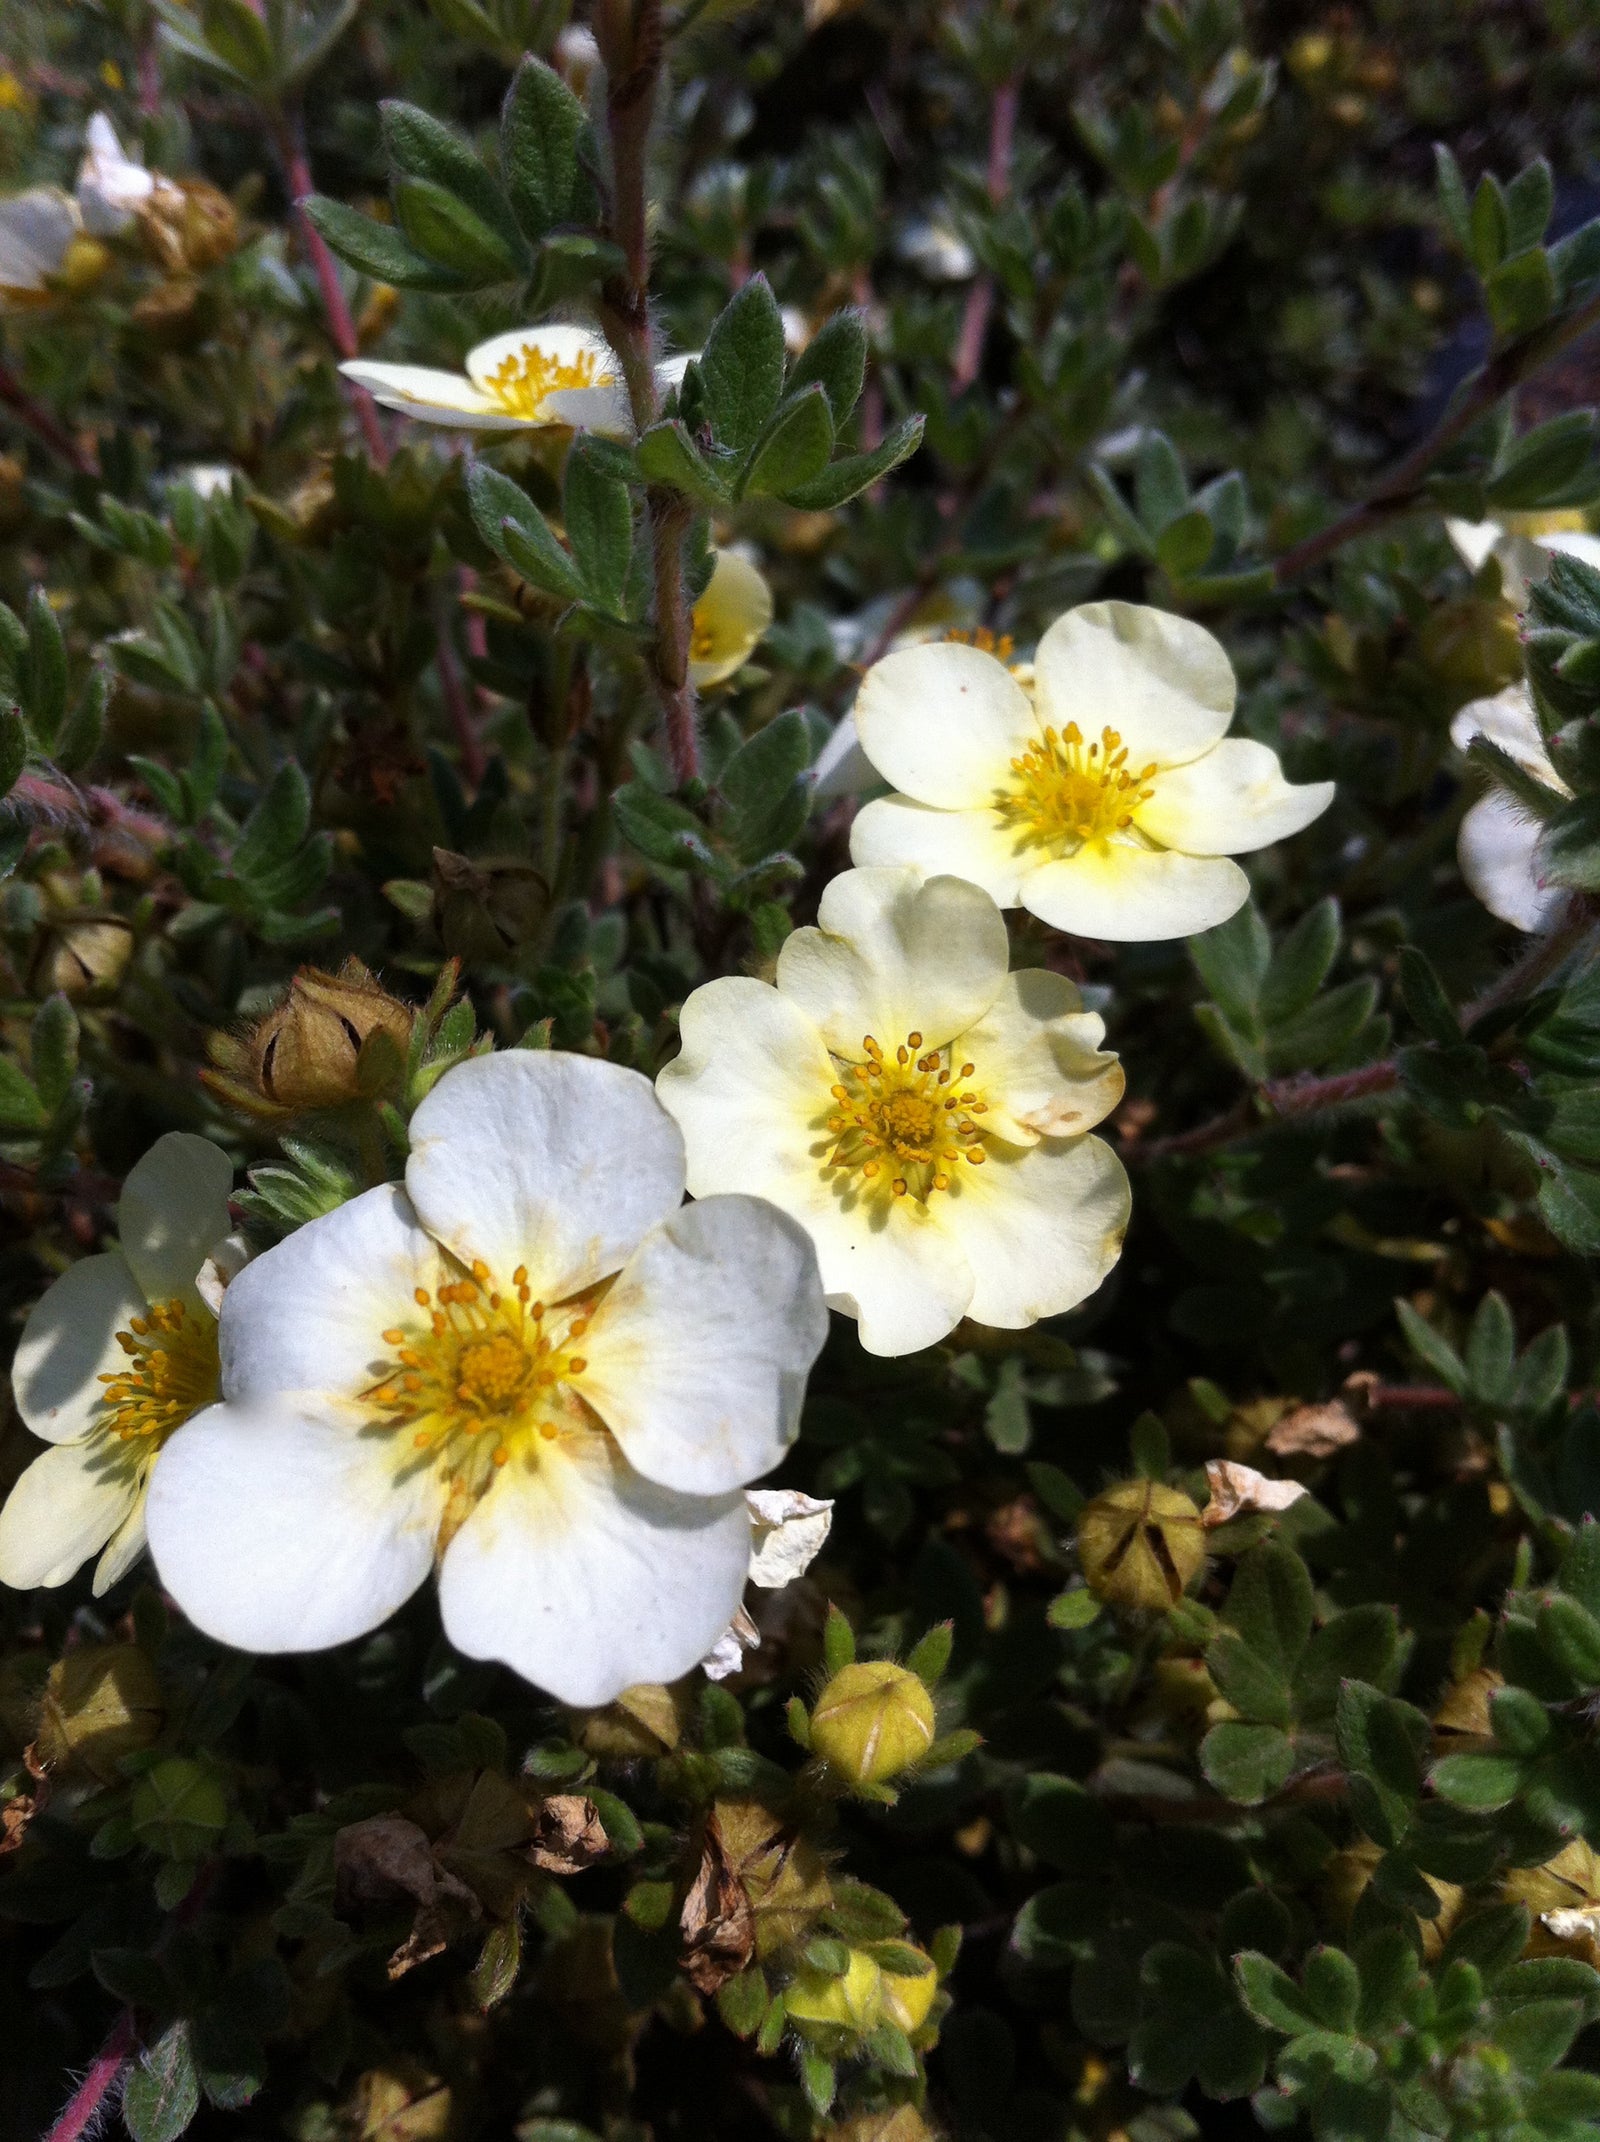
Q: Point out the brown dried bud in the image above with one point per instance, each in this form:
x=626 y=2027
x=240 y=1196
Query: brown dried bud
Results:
x=643 y=1721
x=189 y=226
x=1141 y=1544
x=100 y=1703
x=485 y=910
x=335 y=1038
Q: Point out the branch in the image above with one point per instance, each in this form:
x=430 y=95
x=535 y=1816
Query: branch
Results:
x=289 y=136
x=103 y=2080
x=33 y=415
x=1403 y=487
x=1283 y=1100
x=980 y=298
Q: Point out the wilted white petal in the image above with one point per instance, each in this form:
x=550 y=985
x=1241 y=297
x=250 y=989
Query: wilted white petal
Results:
x=1237 y=1490
x=726 y=1655
x=788 y=1531
x=227 y=1260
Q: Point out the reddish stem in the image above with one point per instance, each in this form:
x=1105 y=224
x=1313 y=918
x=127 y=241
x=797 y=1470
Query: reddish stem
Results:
x=105 y=2075
x=458 y=705
x=1283 y=1098
x=34 y=415
x=980 y=298
x=291 y=142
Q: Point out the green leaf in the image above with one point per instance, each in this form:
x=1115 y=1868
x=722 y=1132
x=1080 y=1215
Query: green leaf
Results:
x=836 y=360
x=13 y=746
x=53 y=1050
x=42 y=671
x=1436 y=1353
x=1453 y=198
x=162 y=2092
x=1298 y=966
x=1529 y=199
x=1521 y=294
x=1332 y=1987
x=1360 y=1644
x=1538 y=2035
x=499 y=1960
x=741 y=366
x=1191 y=2026
x=421 y=148
x=1325 y=1028
x=742 y=2001
x=373 y=248
x=20 y=1106
x=1491 y=1350
x=1160 y=488
x=1256 y=1687
x=544 y=134
x=1520 y=1721
x=1488 y=225
x=1184 y=545
x=1270 y=1604
x=794 y=448
x=845 y=478
x=1478 y=1783
x=660 y=828
x=1232 y=961
x=238 y=36
x=598 y=510
x=440 y=225
x=1383 y=1744
x=760 y=779
x=667 y=455
x=277 y=825
x=1543 y=464
x=1063 y=1823
x=1271 y=1995
x=817 y=2080
x=1424 y=998
x=79 y=736
x=1246 y=1763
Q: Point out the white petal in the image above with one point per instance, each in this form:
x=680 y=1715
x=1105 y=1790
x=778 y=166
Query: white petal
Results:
x=557 y=343
x=788 y=1531
x=670 y=371
x=278 y=1528
x=123 y=1549
x=604 y=409
x=1497 y=849
x=62 y=1510
x=1572 y=543
x=1162 y=682
x=437 y=397
x=751 y=1092
x=227 y=1260
x=977 y=845
x=841 y=767
x=309 y=1314
x=534 y=1157
x=1135 y=895
x=110 y=184
x=734 y=610
x=943 y=723
x=895 y=953
x=1040 y=1064
x=1041 y=1226
x=173 y=1212
x=36 y=228
x=1509 y=720
x=726 y=1655
x=585 y=1578
x=1231 y=800
x=68 y=1342
x=1474 y=540
x=698 y=1355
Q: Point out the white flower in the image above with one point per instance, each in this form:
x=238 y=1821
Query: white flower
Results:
x=531 y=1365
x=788 y=1530
x=1498 y=844
x=1099 y=790
x=112 y=186
x=941 y=253
x=524 y=380
x=119 y=1353
x=916 y=1107
x=730 y=617
x=206 y=479
x=1523 y=545
x=36 y=229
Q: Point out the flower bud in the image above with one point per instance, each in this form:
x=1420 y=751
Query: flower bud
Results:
x=853 y=2001
x=319 y=1049
x=873 y=1720
x=101 y=1702
x=189 y=225
x=908 y=1996
x=84 y=956
x=1140 y=1544
x=484 y=911
x=82 y=265
x=900 y=2123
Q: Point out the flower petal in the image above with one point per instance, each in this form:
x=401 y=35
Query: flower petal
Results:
x=788 y=1531
x=1135 y=895
x=63 y=1509
x=436 y=397
x=896 y=953
x=1163 y=683
x=557 y=343
x=280 y=1527
x=976 y=845
x=309 y=1314
x=110 y=186
x=1231 y=800
x=533 y=1157
x=1497 y=849
x=603 y=409
x=734 y=610
x=36 y=227
x=751 y=1092
x=1040 y=1063
x=1040 y=1226
x=698 y=1355
x=124 y=1547
x=69 y=1341
x=585 y=1577
x=173 y=1212
x=943 y=722
x=1509 y=720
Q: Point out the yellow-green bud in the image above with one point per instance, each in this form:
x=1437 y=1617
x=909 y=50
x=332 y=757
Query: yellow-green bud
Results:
x=853 y=2001
x=908 y=1996
x=1140 y=1544
x=873 y=1720
x=100 y=1703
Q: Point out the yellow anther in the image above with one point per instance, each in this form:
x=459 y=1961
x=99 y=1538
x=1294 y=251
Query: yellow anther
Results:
x=577 y=1364
x=394 y=1337
x=519 y=1277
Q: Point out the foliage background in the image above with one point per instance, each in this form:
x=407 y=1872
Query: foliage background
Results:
x=1211 y=296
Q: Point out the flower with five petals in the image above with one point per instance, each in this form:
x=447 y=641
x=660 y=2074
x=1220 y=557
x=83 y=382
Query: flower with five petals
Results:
x=524 y=380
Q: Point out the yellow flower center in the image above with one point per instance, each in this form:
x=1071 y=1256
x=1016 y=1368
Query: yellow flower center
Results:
x=1066 y=792
x=522 y=381
x=902 y=1123
x=171 y=1373
x=488 y=1376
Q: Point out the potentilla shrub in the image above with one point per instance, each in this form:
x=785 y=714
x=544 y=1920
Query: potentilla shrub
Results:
x=799 y=1028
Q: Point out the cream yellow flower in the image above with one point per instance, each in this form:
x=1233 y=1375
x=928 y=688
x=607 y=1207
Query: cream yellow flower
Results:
x=37 y=229
x=113 y=1360
x=1498 y=845
x=917 y=1108
x=524 y=380
x=1522 y=545
x=1098 y=788
x=730 y=617
x=533 y=1368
